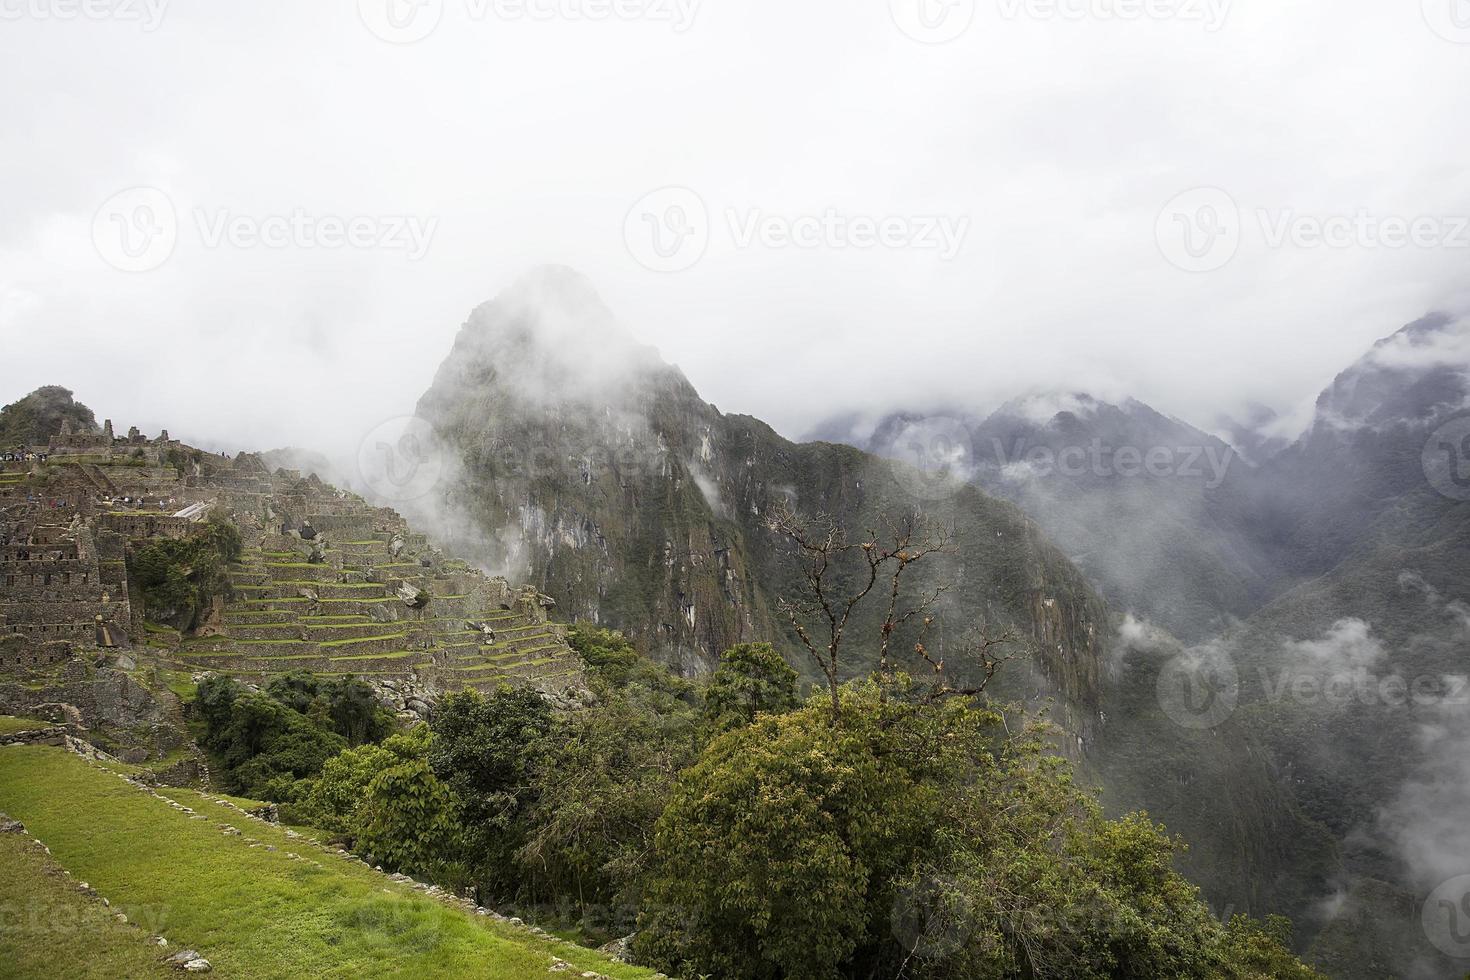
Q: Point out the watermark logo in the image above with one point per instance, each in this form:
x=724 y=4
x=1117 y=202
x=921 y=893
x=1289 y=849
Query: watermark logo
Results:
x=1450 y=19
x=1359 y=686
x=1446 y=459
x=931 y=458
x=41 y=921
x=402 y=459
x=410 y=21
x=1209 y=13
x=667 y=230
x=1199 y=230
x=1446 y=917
x=1209 y=464
x=932 y=21
x=1199 y=689
x=401 y=21
x=931 y=918
x=1202 y=229
x=302 y=229
x=136 y=230
x=834 y=230
x=147 y=14
x=1362 y=229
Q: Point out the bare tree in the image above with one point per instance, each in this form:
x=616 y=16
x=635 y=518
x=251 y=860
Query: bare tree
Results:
x=839 y=574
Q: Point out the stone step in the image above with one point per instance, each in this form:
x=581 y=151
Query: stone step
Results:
x=384 y=642
x=286 y=632
x=301 y=571
x=252 y=617
x=361 y=628
x=330 y=590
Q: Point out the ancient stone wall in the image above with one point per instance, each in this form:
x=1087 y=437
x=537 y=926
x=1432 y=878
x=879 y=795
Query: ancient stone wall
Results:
x=140 y=526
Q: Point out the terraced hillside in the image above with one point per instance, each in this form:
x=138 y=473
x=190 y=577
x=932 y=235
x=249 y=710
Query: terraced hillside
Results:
x=326 y=582
x=348 y=607
x=330 y=584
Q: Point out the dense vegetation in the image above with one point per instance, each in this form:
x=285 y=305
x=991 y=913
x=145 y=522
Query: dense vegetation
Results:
x=265 y=742
x=34 y=419
x=739 y=831
x=179 y=579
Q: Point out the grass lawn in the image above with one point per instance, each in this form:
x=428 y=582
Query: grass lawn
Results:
x=45 y=921
x=9 y=725
x=253 y=912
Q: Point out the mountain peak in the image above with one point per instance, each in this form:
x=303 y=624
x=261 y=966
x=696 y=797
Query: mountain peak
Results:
x=548 y=337
x=1414 y=374
x=38 y=416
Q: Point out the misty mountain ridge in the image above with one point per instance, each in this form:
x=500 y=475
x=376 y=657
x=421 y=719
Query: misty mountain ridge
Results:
x=614 y=487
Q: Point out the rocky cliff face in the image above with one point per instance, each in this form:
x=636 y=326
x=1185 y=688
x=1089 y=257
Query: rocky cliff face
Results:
x=596 y=467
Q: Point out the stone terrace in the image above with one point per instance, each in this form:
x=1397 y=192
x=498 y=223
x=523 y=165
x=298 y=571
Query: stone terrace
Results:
x=327 y=583
x=330 y=584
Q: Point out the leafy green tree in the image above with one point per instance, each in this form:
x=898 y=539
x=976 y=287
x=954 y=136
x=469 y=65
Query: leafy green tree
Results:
x=180 y=578
x=606 y=653
x=918 y=835
x=346 y=705
x=608 y=774
x=266 y=747
x=1256 y=950
x=774 y=850
x=752 y=679
x=332 y=800
x=489 y=749
x=409 y=820
x=261 y=744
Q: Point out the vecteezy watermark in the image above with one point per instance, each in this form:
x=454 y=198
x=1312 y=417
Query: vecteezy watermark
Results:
x=1199 y=230
x=932 y=21
x=1445 y=917
x=1199 y=689
x=1209 y=464
x=1202 y=229
x=1450 y=19
x=932 y=457
x=1360 y=686
x=933 y=918
x=1211 y=14
x=137 y=230
x=1362 y=229
x=669 y=230
x=834 y=229
x=300 y=228
x=58 y=920
x=147 y=14
x=409 y=21
x=1446 y=459
x=401 y=21
x=935 y=455
x=402 y=459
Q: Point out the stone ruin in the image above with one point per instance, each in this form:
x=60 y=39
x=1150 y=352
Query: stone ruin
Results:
x=327 y=583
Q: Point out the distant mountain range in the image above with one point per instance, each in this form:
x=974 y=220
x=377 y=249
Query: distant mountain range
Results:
x=1324 y=572
x=1176 y=524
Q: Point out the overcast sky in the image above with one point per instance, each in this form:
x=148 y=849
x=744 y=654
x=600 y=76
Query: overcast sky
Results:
x=975 y=216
